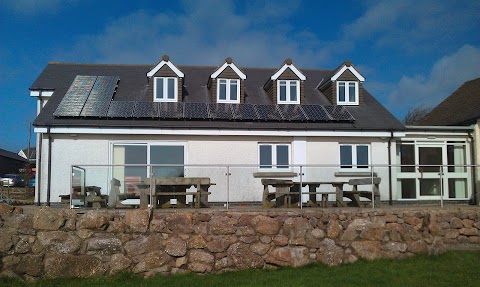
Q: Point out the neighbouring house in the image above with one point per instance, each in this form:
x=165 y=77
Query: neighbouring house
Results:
x=29 y=154
x=460 y=109
x=234 y=124
x=10 y=162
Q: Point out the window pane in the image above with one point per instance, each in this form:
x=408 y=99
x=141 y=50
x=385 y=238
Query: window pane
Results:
x=362 y=156
x=407 y=187
x=293 y=91
x=136 y=154
x=282 y=156
x=167 y=155
x=429 y=186
x=346 y=156
x=457 y=188
x=456 y=155
x=351 y=92
x=283 y=91
x=341 y=92
x=233 y=90
x=223 y=89
x=407 y=157
x=171 y=88
x=159 y=82
x=430 y=158
x=265 y=156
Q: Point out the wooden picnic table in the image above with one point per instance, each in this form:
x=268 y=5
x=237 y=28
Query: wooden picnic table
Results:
x=287 y=192
x=168 y=188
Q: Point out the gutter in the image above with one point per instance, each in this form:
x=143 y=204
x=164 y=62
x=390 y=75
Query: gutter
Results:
x=390 y=184
x=49 y=167
x=38 y=180
x=448 y=128
x=474 y=172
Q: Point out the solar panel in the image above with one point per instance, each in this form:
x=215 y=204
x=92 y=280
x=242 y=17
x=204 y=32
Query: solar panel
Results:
x=292 y=112
x=170 y=110
x=95 y=108
x=244 y=112
x=316 y=113
x=75 y=97
x=145 y=110
x=221 y=111
x=196 y=111
x=104 y=88
x=121 y=109
x=339 y=113
x=268 y=113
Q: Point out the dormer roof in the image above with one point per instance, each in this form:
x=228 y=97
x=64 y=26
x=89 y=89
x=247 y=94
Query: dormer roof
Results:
x=347 y=65
x=165 y=61
x=287 y=64
x=229 y=63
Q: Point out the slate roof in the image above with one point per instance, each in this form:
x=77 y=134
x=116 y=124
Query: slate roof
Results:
x=371 y=115
x=462 y=107
x=11 y=155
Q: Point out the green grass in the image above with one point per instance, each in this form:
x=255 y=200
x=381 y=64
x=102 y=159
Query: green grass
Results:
x=455 y=268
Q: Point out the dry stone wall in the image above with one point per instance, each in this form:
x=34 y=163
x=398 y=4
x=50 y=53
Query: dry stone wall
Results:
x=56 y=243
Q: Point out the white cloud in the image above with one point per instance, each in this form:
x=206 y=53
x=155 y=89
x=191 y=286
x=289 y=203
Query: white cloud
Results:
x=201 y=35
x=447 y=74
x=30 y=7
x=413 y=25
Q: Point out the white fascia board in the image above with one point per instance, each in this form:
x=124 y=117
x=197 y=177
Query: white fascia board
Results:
x=437 y=133
x=291 y=67
x=232 y=65
x=352 y=69
x=41 y=93
x=215 y=132
x=170 y=65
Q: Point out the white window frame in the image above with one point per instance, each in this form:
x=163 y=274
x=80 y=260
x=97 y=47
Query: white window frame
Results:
x=347 y=93
x=228 y=95
x=274 y=166
x=354 y=157
x=165 y=89
x=287 y=98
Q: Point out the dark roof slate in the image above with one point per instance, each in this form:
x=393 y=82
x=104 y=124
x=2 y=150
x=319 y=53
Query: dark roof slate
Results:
x=11 y=155
x=462 y=107
x=133 y=85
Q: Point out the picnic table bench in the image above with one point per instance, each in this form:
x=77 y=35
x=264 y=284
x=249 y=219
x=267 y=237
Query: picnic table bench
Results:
x=287 y=192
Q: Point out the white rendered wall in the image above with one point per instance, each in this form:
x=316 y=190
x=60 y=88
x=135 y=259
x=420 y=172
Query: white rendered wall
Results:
x=239 y=151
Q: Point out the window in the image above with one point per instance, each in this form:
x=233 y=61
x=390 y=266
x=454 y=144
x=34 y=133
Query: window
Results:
x=165 y=89
x=354 y=156
x=288 y=92
x=228 y=91
x=347 y=93
x=274 y=156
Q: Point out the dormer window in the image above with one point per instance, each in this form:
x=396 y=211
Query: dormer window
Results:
x=165 y=89
x=288 y=92
x=347 y=93
x=167 y=81
x=228 y=91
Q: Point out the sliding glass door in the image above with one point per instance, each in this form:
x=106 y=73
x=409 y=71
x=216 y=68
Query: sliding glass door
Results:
x=167 y=155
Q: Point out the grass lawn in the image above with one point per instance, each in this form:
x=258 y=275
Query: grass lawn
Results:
x=455 y=268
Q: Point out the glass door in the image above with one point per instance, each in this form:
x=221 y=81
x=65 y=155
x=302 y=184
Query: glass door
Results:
x=430 y=160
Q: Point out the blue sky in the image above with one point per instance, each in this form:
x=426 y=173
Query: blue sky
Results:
x=412 y=52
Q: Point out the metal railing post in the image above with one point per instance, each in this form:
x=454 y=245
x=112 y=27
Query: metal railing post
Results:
x=441 y=187
x=228 y=186
x=300 y=188
x=373 y=189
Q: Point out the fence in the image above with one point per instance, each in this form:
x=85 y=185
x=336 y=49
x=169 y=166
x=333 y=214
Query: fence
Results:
x=227 y=186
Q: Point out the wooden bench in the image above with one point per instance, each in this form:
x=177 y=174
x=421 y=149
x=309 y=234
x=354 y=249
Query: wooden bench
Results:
x=355 y=194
